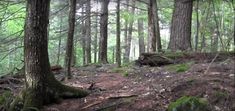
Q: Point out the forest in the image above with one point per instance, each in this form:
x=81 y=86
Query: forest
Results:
x=117 y=55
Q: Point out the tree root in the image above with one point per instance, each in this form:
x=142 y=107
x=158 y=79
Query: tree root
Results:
x=33 y=100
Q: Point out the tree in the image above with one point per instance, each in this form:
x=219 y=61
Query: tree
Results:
x=180 y=37
x=153 y=22
x=69 y=45
x=41 y=86
x=103 y=32
x=118 y=46
x=88 y=31
x=141 y=36
x=129 y=34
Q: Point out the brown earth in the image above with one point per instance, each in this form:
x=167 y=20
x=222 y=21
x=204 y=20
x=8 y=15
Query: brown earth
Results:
x=145 y=88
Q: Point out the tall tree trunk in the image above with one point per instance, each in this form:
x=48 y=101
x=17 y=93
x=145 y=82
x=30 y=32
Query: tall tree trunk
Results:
x=197 y=27
x=41 y=85
x=60 y=37
x=125 y=58
x=96 y=38
x=141 y=36
x=129 y=36
x=69 y=45
x=83 y=38
x=118 y=31
x=103 y=32
x=88 y=31
x=156 y=24
x=180 y=38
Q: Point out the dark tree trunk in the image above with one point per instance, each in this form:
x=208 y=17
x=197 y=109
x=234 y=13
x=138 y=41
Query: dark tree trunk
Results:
x=154 y=31
x=197 y=27
x=41 y=85
x=69 y=45
x=118 y=31
x=180 y=38
x=88 y=31
x=103 y=32
x=141 y=36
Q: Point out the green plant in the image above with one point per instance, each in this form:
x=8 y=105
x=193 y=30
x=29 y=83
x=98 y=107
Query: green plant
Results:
x=179 y=67
x=187 y=103
x=125 y=74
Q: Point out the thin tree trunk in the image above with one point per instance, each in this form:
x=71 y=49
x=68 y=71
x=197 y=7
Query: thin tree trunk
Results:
x=125 y=58
x=156 y=24
x=83 y=38
x=129 y=35
x=96 y=38
x=118 y=31
x=141 y=36
x=88 y=31
x=69 y=45
x=103 y=32
x=197 y=27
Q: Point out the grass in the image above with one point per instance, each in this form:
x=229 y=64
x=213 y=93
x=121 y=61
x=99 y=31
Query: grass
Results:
x=189 y=103
x=179 y=67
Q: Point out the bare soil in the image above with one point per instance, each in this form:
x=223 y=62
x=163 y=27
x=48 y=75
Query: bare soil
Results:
x=145 y=88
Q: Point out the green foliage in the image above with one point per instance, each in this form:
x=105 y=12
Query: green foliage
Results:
x=5 y=99
x=179 y=67
x=187 y=103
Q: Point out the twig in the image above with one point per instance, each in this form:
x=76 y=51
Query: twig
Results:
x=207 y=69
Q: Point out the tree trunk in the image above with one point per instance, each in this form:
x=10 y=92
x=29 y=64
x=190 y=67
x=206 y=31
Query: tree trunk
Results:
x=41 y=85
x=59 y=45
x=103 y=32
x=88 y=31
x=180 y=38
x=118 y=31
x=125 y=58
x=83 y=38
x=129 y=36
x=197 y=27
x=157 y=27
x=96 y=38
x=141 y=36
x=69 y=45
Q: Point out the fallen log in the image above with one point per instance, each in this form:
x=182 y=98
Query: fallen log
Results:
x=153 y=59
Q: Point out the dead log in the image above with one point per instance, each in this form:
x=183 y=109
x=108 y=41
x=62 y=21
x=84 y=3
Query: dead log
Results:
x=153 y=59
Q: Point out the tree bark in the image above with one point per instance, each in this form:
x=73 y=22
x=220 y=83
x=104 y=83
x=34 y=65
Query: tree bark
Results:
x=197 y=26
x=125 y=58
x=88 y=31
x=103 y=32
x=118 y=31
x=96 y=38
x=141 y=36
x=41 y=85
x=180 y=38
x=69 y=45
x=129 y=36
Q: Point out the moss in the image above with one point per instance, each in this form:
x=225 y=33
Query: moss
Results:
x=179 y=67
x=4 y=98
x=187 y=103
x=118 y=70
x=218 y=96
x=125 y=74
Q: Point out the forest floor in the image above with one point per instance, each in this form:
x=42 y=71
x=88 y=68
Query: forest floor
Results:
x=145 y=88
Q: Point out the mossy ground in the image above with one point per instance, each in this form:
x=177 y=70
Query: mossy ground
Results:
x=188 y=103
x=179 y=67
